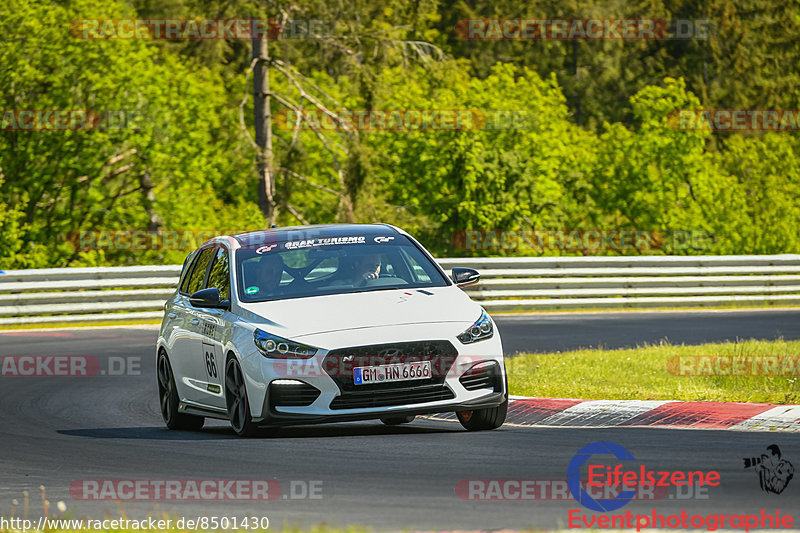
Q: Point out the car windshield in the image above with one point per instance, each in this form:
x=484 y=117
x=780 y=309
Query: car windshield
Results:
x=335 y=265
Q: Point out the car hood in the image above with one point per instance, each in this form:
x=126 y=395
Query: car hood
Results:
x=297 y=317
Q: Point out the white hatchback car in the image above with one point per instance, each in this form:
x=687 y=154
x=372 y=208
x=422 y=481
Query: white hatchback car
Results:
x=325 y=323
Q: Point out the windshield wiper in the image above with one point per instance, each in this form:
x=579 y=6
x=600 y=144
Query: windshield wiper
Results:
x=375 y=289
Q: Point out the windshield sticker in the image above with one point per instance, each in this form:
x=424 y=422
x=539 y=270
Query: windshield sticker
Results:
x=384 y=239
x=266 y=248
x=310 y=243
x=251 y=290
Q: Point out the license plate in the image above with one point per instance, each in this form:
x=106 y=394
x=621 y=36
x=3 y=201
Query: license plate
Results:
x=368 y=375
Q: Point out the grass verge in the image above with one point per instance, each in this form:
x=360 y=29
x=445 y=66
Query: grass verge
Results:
x=664 y=372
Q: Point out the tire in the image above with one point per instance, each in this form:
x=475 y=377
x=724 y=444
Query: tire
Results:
x=168 y=398
x=484 y=419
x=397 y=420
x=236 y=400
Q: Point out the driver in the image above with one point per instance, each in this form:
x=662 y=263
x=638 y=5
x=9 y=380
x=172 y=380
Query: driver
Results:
x=268 y=274
x=365 y=268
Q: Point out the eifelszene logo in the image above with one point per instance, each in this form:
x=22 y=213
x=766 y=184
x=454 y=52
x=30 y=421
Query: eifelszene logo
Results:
x=620 y=484
x=774 y=472
x=574 y=476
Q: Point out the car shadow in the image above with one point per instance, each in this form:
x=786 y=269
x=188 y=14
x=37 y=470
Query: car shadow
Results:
x=356 y=430
x=326 y=431
x=150 y=433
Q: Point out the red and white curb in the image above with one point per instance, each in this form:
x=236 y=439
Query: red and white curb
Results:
x=566 y=412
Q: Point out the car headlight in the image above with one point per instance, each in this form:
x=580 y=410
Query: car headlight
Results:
x=276 y=347
x=480 y=330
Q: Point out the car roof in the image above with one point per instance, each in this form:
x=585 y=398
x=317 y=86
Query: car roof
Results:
x=319 y=231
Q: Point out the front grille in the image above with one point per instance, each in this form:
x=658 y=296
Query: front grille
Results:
x=295 y=395
x=385 y=398
x=482 y=377
x=441 y=354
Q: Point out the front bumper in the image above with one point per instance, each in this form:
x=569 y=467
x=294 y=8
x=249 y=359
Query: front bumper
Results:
x=333 y=388
x=275 y=418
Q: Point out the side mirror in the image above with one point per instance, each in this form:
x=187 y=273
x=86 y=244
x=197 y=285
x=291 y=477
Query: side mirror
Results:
x=209 y=298
x=465 y=276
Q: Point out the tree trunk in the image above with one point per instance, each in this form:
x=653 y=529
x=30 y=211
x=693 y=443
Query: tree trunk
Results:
x=263 y=125
x=149 y=200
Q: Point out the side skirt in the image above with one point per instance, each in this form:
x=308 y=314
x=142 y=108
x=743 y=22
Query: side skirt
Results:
x=191 y=408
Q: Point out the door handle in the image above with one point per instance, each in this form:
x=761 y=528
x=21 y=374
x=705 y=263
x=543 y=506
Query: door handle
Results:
x=194 y=321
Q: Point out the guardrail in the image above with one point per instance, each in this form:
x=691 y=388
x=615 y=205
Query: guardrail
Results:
x=507 y=284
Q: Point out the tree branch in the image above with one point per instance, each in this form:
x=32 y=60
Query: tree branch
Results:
x=296 y=215
x=244 y=102
x=309 y=182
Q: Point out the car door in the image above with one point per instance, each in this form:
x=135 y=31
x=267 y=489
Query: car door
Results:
x=173 y=327
x=189 y=341
x=214 y=323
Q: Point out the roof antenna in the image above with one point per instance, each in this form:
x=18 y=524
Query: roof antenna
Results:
x=274 y=226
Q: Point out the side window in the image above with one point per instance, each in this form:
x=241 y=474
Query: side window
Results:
x=219 y=276
x=187 y=269
x=417 y=271
x=199 y=270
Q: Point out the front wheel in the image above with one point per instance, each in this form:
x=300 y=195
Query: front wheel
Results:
x=168 y=397
x=483 y=419
x=236 y=400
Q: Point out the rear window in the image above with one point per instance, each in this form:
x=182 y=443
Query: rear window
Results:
x=336 y=265
x=185 y=271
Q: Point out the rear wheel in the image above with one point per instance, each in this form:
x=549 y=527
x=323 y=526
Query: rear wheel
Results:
x=397 y=420
x=168 y=396
x=236 y=400
x=483 y=419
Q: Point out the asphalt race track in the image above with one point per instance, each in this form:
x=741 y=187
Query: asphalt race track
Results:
x=57 y=431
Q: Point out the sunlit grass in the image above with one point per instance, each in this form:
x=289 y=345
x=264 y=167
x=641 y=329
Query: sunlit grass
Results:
x=642 y=373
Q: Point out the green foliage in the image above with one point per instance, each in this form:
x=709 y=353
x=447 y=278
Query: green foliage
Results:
x=527 y=166
x=659 y=177
x=564 y=134
x=768 y=174
x=159 y=119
